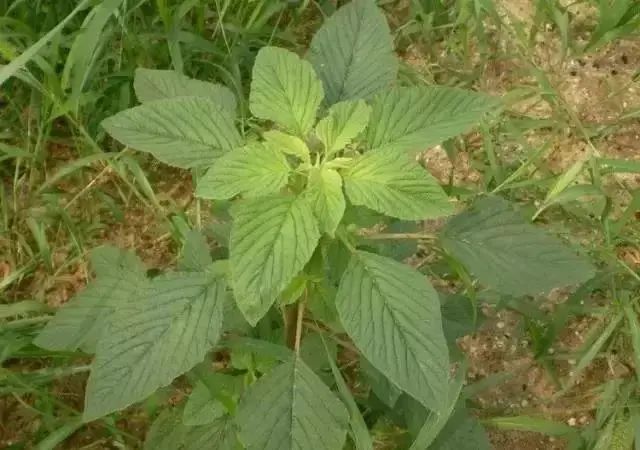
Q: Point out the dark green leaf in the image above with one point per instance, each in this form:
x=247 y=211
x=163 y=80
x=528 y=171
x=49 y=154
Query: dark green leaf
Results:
x=290 y=408
x=353 y=52
x=509 y=254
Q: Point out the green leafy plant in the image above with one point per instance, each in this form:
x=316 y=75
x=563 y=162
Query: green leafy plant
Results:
x=305 y=195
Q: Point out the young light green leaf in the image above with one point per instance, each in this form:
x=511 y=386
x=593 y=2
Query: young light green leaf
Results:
x=254 y=170
x=290 y=408
x=285 y=89
x=418 y=118
x=79 y=323
x=392 y=184
x=505 y=252
x=294 y=290
x=353 y=52
x=150 y=341
x=291 y=145
x=393 y=316
x=272 y=239
x=195 y=256
x=201 y=407
x=324 y=191
x=339 y=163
x=183 y=132
x=151 y=85
x=345 y=122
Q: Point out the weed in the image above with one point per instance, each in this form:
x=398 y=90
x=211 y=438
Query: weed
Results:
x=340 y=158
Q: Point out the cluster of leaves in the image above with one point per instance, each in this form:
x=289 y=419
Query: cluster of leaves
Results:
x=298 y=202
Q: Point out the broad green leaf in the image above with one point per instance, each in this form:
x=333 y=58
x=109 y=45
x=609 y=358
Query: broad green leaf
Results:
x=392 y=314
x=353 y=52
x=201 y=408
x=462 y=432
x=80 y=322
x=254 y=170
x=345 y=122
x=392 y=184
x=219 y=435
x=324 y=191
x=195 y=256
x=291 y=145
x=182 y=132
x=168 y=432
x=285 y=89
x=386 y=391
x=398 y=249
x=418 y=118
x=313 y=351
x=294 y=290
x=425 y=424
x=151 y=85
x=272 y=238
x=458 y=317
x=150 y=341
x=290 y=408
x=508 y=254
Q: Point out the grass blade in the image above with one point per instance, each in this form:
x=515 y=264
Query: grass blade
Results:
x=634 y=330
x=593 y=350
x=22 y=308
x=359 y=431
x=60 y=434
x=82 y=53
x=435 y=422
x=534 y=424
x=74 y=165
x=17 y=64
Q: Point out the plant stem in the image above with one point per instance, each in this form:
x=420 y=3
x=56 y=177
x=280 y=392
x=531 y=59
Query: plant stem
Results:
x=298 y=335
x=293 y=318
x=19 y=323
x=290 y=317
x=423 y=236
x=346 y=344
